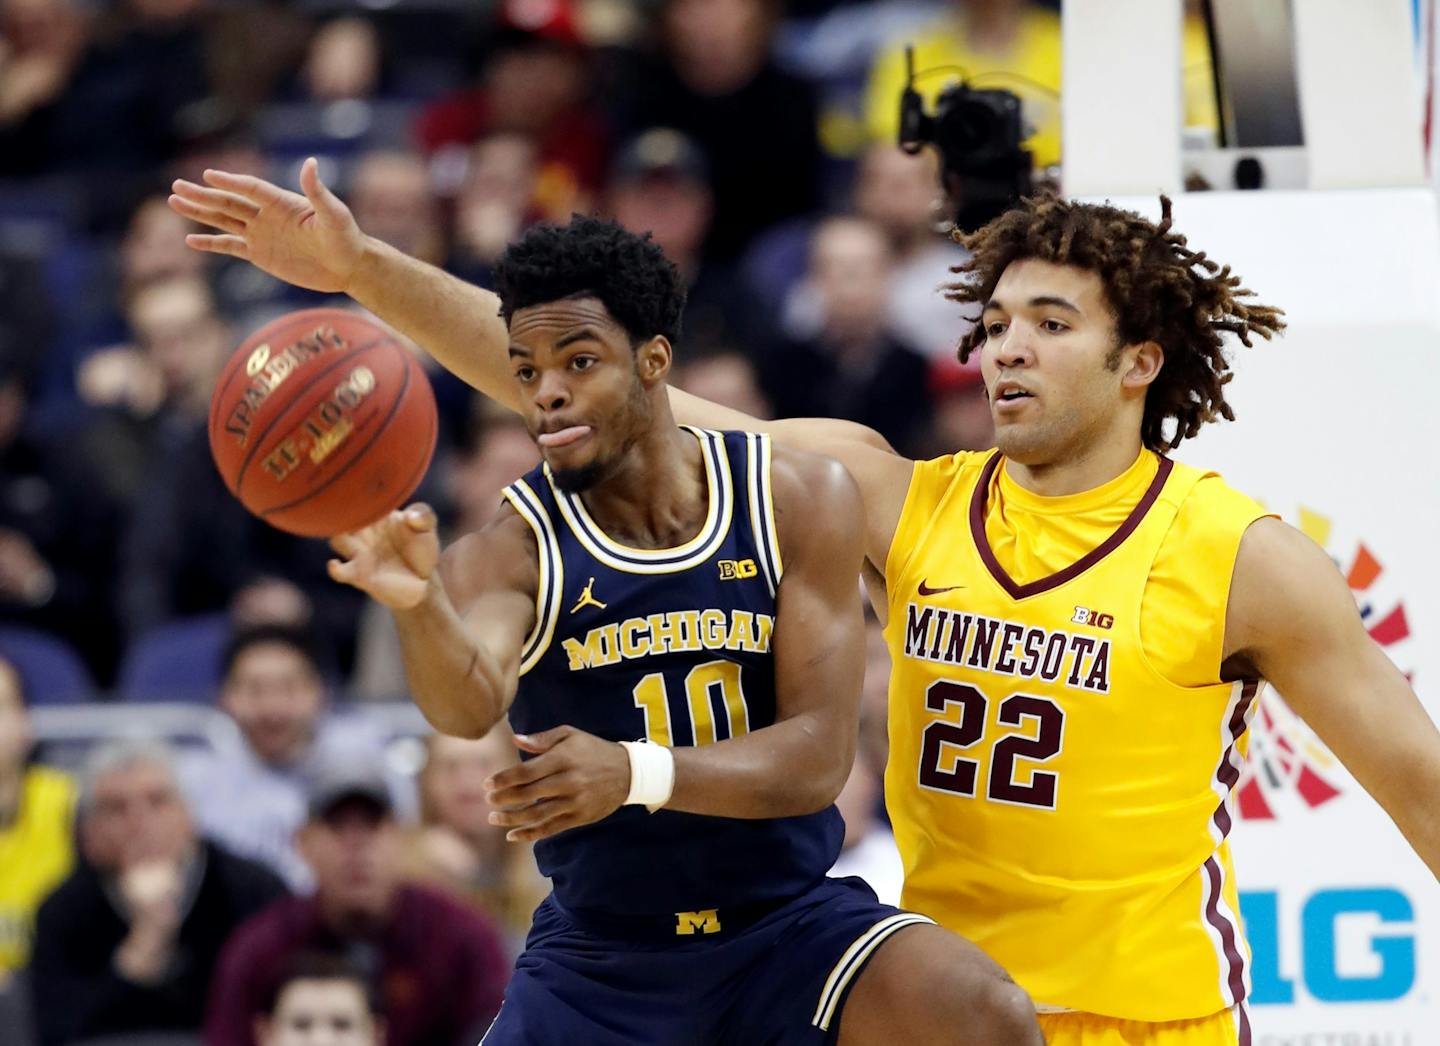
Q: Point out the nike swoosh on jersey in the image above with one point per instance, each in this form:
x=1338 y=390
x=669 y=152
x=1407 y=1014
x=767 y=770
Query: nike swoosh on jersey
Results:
x=926 y=590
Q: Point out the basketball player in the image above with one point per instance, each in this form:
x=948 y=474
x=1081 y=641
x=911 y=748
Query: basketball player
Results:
x=692 y=589
x=1079 y=626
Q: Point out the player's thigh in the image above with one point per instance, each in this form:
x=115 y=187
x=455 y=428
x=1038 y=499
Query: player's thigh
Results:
x=927 y=985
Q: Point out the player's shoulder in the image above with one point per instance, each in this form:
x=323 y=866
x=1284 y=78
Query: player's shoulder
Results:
x=1209 y=500
x=932 y=478
x=801 y=477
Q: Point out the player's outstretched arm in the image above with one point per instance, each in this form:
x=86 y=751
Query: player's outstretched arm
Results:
x=1293 y=621
x=462 y=620
x=313 y=241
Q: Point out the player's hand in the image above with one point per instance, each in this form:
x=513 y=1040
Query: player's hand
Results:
x=575 y=778
x=311 y=240
x=391 y=560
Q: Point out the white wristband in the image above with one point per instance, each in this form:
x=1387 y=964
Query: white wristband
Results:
x=652 y=774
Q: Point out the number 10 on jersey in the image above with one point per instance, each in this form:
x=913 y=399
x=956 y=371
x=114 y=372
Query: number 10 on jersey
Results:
x=703 y=685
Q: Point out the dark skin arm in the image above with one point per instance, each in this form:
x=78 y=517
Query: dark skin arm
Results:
x=795 y=766
x=1292 y=620
x=462 y=620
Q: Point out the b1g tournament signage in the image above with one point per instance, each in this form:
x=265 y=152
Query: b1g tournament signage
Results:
x=1333 y=936
x=1335 y=429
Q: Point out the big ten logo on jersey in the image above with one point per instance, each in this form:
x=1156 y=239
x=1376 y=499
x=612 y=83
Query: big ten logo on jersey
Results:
x=737 y=569
x=1086 y=616
x=1352 y=945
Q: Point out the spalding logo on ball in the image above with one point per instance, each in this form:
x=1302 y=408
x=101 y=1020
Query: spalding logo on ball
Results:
x=322 y=422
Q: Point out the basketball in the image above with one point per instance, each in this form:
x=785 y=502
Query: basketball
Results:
x=322 y=422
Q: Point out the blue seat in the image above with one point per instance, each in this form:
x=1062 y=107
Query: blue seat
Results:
x=51 y=670
x=176 y=661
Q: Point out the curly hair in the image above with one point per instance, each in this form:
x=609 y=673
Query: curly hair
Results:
x=1158 y=288
x=638 y=285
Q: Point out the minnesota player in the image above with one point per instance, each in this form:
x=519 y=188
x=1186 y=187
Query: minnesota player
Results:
x=693 y=590
x=1079 y=626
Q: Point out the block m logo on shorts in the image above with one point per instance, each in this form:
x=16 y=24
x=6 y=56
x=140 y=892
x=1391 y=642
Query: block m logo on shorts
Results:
x=707 y=921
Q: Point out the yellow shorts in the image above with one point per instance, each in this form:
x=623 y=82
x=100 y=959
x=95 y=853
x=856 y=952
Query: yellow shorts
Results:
x=1226 y=1028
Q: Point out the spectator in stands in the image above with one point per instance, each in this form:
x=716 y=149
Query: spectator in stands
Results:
x=441 y=966
x=1012 y=44
x=962 y=412
x=321 y=999
x=495 y=204
x=36 y=812
x=128 y=943
x=344 y=62
x=535 y=82
x=661 y=185
x=719 y=84
x=901 y=194
x=41 y=45
x=456 y=847
x=57 y=527
x=391 y=197
x=254 y=801
x=840 y=358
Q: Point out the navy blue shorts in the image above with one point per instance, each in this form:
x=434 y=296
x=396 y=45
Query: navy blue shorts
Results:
x=777 y=981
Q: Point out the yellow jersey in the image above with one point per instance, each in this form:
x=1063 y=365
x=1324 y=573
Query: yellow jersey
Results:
x=1062 y=748
x=36 y=852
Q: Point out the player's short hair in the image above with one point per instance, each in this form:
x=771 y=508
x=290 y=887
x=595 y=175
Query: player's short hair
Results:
x=1158 y=288
x=301 y=640
x=318 y=966
x=592 y=258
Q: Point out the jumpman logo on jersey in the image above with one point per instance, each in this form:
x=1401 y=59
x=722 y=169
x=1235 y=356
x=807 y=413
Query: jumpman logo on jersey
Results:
x=587 y=599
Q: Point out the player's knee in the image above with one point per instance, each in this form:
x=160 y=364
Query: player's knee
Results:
x=1002 y=1013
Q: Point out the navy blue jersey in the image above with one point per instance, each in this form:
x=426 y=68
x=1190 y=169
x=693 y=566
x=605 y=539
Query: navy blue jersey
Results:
x=673 y=645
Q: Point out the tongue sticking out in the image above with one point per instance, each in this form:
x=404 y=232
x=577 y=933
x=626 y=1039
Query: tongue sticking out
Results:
x=564 y=436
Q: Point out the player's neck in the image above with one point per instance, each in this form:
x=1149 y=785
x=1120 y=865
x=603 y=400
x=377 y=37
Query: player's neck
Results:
x=657 y=497
x=1093 y=466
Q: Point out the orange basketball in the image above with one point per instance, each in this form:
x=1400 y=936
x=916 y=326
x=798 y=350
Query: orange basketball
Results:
x=322 y=422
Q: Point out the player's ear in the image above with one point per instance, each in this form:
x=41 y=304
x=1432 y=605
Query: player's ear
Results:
x=653 y=359
x=1143 y=365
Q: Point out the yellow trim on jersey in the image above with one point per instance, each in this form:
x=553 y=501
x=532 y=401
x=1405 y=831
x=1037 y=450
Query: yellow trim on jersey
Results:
x=844 y=971
x=697 y=550
x=551 y=587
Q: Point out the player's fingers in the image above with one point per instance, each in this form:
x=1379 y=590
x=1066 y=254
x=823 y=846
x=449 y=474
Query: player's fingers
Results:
x=206 y=216
x=544 y=740
x=524 y=816
x=420 y=517
x=345 y=573
x=215 y=199
x=348 y=545
x=555 y=786
x=525 y=773
x=544 y=829
x=317 y=192
x=256 y=190
x=234 y=246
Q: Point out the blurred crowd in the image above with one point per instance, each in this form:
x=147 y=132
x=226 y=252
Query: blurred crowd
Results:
x=303 y=875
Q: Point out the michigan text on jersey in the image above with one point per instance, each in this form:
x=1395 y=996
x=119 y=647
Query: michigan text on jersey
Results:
x=673 y=632
x=1007 y=647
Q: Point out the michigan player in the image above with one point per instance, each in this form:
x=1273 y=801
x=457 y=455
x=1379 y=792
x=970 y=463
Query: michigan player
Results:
x=1079 y=626
x=694 y=590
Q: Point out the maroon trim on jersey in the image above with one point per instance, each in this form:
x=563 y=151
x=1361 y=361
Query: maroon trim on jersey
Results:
x=1074 y=570
x=1229 y=774
x=1229 y=939
x=1245 y=1039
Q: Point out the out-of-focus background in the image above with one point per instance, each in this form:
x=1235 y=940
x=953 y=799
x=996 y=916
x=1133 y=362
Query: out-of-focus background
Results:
x=202 y=732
